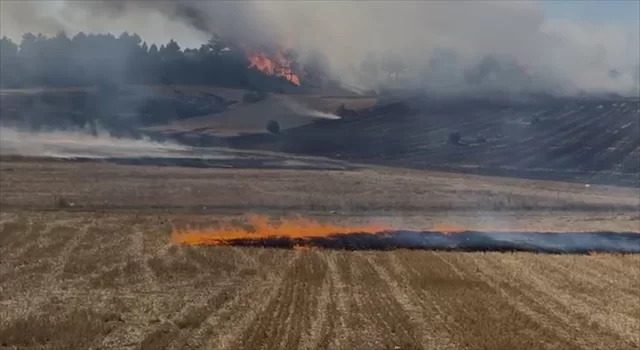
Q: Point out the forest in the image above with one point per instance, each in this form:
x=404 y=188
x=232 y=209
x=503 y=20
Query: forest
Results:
x=105 y=60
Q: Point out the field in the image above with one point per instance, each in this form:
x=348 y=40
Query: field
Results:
x=251 y=118
x=87 y=262
x=165 y=109
x=595 y=140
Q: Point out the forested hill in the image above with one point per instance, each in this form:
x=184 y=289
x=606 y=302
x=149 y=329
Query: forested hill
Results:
x=104 y=59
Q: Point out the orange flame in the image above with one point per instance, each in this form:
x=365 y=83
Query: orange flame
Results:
x=304 y=228
x=298 y=227
x=276 y=64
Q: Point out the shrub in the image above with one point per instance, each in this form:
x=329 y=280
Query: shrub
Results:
x=454 y=138
x=253 y=96
x=62 y=202
x=273 y=127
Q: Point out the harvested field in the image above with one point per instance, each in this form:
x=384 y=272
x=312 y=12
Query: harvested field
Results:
x=88 y=262
x=73 y=280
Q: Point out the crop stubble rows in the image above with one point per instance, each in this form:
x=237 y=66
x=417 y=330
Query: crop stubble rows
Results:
x=114 y=281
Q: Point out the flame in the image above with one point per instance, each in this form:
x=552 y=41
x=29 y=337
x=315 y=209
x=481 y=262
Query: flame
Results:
x=304 y=229
x=276 y=64
x=297 y=227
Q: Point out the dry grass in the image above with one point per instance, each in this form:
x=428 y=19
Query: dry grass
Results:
x=409 y=197
x=104 y=274
x=143 y=292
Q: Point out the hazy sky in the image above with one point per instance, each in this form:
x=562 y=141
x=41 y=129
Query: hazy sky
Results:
x=619 y=11
x=575 y=41
x=624 y=13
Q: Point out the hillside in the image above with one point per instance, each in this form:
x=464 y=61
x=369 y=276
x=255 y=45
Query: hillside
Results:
x=135 y=109
x=589 y=140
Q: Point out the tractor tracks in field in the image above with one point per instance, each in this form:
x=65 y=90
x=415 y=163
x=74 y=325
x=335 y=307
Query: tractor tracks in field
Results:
x=542 y=293
x=137 y=254
x=289 y=313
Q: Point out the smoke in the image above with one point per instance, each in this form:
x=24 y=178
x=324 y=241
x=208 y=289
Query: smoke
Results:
x=79 y=144
x=299 y=109
x=559 y=55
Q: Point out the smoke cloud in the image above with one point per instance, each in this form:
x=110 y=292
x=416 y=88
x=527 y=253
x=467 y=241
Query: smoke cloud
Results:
x=557 y=55
x=80 y=144
x=305 y=111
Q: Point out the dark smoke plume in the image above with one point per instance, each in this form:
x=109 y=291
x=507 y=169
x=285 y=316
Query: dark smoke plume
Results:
x=559 y=55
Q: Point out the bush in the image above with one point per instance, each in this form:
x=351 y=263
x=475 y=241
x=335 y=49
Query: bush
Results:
x=62 y=202
x=253 y=96
x=454 y=138
x=273 y=127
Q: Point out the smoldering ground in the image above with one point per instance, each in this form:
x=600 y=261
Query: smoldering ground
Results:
x=305 y=232
x=560 y=55
x=469 y=241
x=80 y=144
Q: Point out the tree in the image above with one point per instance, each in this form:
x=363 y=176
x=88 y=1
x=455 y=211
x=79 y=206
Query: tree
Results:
x=153 y=50
x=8 y=49
x=171 y=51
x=104 y=60
x=273 y=127
x=216 y=45
x=455 y=138
x=9 y=74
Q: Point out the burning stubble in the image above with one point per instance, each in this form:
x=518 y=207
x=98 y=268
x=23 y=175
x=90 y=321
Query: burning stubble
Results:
x=304 y=233
x=262 y=228
x=79 y=144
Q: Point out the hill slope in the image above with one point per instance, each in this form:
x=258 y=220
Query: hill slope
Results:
x=592 y=140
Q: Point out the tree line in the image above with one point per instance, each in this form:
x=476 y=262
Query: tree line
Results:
x=104 y=59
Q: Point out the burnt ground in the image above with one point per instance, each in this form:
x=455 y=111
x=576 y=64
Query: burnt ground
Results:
x=585 y=140
x=465 y=241
x=87 y=262
x=87 y=259
x=588 y=140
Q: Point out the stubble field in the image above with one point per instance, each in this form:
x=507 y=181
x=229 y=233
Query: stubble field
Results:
x=87 y=262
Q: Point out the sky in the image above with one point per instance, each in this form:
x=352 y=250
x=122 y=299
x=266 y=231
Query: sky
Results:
x=621 y=11
x=575 y=42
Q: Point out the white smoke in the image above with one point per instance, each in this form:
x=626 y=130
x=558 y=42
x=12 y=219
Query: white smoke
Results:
x=569 y=54
x=302 y=110
x=79 y=144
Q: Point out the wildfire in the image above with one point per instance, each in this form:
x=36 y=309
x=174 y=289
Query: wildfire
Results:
x=301 y=233
x=305 y=228
x=262 y=228
x=277 y=64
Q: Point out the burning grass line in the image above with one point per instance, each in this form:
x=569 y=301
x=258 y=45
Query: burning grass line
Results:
x=261 y=228
x=304 y=233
